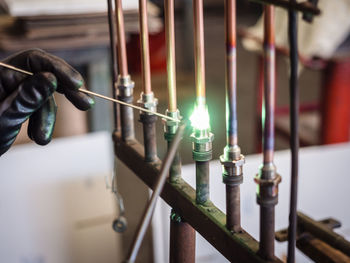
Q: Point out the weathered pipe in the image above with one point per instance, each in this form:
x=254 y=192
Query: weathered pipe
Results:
x=233 y=208
x=182 y=241
x=149 y=136
x=202 y=182
x=127 y=118
x=175 y=169
x=267 y=232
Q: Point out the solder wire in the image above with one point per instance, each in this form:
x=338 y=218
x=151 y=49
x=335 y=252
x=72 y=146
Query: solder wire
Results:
x=96 y=94
x=294 y=138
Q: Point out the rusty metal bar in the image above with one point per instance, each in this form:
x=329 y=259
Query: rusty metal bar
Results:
x=304 y=7
x=320 y=231
x=320 y=251
x=209 y=221
x=294 y=131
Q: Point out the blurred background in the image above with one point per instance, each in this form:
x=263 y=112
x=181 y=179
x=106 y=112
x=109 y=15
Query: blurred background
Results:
x=77 y=31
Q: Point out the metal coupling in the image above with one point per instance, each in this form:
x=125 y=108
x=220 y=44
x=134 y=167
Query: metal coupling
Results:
x=125 y=86
x=202 y=145
x=232 y=162
x=268 y=180
x=149 y=102
x=170 y=127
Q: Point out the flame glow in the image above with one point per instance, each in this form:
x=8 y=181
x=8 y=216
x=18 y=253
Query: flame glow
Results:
x=200 y=117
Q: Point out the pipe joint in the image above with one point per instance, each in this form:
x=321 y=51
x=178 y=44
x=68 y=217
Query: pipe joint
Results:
x=125 y=86
x=170 y=126
x=232 y=167
x=149 y=102
x=202 y=145
x=268 y=180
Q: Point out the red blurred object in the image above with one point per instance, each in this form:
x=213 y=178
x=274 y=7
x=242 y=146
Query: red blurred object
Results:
x=335 y=125
x=157 y=52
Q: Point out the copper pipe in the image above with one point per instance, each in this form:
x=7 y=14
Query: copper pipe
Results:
x=116 y=109
x=121 y=46
x=199 y=51
x=183 y=242
x=145 y=58
x=269 y=98
x=231 y=73
x=267 y=195
x=170 y=46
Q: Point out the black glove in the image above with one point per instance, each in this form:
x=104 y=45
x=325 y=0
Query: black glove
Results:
x=23 y=96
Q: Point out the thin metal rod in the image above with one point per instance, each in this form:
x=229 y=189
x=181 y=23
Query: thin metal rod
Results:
x=121 y=46
x=127 y=104
x=294 y=137
x=199 y=55
x=97 y=95
x=147 y=216
x=145 y=57
x=302 y=7
x=16 y=69
x=231 y=73
x=170 y=46
x=111 y=26
x=269 y=85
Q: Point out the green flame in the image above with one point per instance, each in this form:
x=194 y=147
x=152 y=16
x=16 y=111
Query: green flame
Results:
x=200 y=117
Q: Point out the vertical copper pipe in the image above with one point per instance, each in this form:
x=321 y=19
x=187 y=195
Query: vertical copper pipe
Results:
x=231 y=73
x=269 y=67
x=268 y=192
x=145 y=58
x=170 y=47
x=199 y=51
x=121 y=46
x=114 y=62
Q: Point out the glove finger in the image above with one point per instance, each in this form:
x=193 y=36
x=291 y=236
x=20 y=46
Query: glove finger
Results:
x=21 y=104
x=37 y=60
x=42 y=122
x=79 y=99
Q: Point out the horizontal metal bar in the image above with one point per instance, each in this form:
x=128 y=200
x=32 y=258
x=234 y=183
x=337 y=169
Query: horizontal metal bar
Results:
x=304 y=7
x=323 y=233
x=208 y=220
x=320 y=251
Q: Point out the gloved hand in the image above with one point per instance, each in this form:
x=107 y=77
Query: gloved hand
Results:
x=23 y=96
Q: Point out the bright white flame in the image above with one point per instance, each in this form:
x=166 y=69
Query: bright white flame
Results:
x=200 y=117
